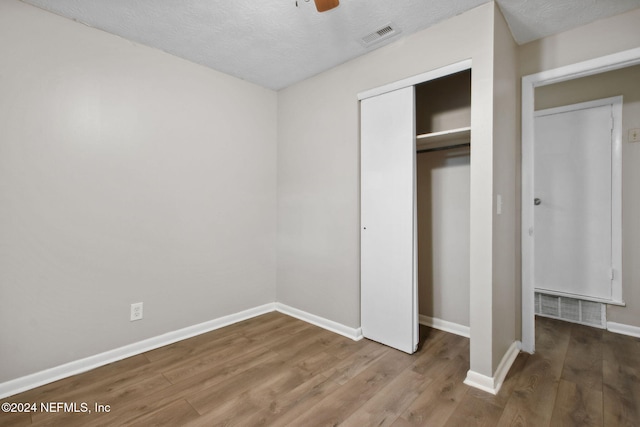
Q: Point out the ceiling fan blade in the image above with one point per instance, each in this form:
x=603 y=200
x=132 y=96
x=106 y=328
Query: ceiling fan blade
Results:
x=324 y=5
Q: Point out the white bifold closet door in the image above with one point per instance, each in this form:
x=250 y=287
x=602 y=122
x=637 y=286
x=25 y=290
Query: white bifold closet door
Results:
x=389 y=311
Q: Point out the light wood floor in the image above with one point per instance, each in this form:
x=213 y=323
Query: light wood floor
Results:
x=274 y=370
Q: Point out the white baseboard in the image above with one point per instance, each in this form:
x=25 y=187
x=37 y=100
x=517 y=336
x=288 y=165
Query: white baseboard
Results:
x=444 y=325
x=481 y=382
x=493 y=384
x=338 y=328
x=37 y=379
x=621 y=328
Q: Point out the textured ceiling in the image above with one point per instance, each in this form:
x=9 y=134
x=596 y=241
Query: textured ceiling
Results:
x=276 y=43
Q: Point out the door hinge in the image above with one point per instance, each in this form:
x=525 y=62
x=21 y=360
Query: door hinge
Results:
x=611 y=274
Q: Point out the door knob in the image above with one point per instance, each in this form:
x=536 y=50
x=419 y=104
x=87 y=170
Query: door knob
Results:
x=537 y=201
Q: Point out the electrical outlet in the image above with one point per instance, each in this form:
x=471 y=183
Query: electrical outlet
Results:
x=136 y=311
x=634 y=135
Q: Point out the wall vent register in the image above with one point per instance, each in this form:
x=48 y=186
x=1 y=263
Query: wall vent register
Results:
x=571 y=309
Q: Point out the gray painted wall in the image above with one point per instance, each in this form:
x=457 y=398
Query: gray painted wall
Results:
x=443 y=234
x=126 y=175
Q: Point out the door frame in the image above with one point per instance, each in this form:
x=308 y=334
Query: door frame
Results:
x=529 y=83
x=417 y=79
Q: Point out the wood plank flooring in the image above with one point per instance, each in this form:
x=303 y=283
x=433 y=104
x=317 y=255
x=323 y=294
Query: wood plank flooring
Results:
x=274 y=370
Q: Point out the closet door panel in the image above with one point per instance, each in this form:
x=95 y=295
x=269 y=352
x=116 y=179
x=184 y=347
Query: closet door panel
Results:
x=388 y=282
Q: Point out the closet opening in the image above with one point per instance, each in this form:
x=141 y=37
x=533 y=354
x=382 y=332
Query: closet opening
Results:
x=443 y=158
x=415 y=199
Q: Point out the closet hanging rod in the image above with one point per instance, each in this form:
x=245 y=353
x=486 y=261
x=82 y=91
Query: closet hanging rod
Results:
x=446 y=147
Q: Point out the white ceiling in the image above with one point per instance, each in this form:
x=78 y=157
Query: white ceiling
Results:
x=275 y=43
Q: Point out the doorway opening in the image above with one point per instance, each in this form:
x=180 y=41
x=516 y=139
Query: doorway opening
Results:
x=537 y=92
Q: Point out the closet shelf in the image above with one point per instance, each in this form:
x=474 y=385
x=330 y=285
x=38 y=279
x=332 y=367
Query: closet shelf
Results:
x=444 y=138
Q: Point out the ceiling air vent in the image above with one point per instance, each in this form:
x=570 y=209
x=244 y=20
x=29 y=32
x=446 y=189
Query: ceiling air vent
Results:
x=383 y=33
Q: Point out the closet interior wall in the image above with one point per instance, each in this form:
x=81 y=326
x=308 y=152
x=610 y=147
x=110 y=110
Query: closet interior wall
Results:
x=443 y=119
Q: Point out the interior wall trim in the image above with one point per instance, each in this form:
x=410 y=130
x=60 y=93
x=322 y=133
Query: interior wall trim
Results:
x=414 y=80
x=338 y=328
x=444 y=325
x=621 y=328
x=493 y=384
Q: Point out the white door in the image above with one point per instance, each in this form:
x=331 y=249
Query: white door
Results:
x=388 y=266
x=573 y=200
